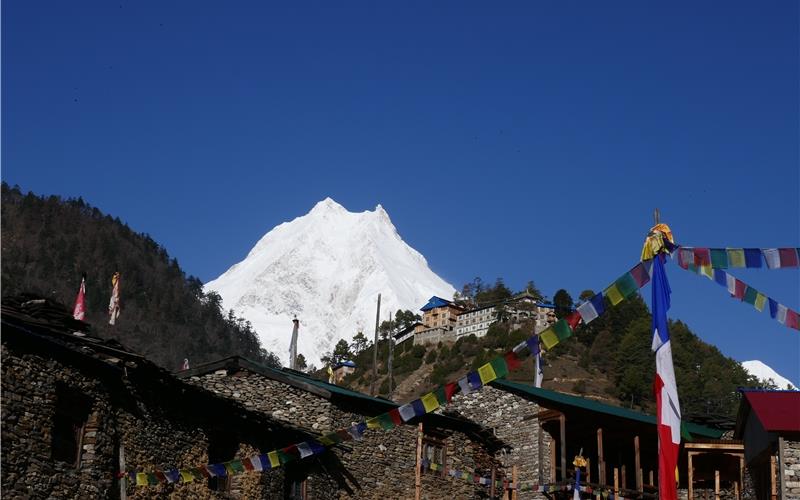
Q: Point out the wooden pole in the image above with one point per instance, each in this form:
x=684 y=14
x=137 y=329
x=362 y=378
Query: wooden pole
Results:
x=122 y=490
x=553 y=461
x=623 y=477
x=773 y=486
x=616 y=481
x=540 y=440
x=563 y=424
x=515 y=480
x=391 y=353
x=690 y=479
x=656 y=216
x=716 y=484
x=652 y=479
x=418 y=481
x=588 y=470
x=741 y=472
x=736 y=490
x=601 y=466
x=375 y=350
x=637 y=458
x=492 y=487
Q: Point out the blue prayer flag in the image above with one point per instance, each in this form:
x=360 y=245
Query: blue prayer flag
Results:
x=721 y=277
x=752 y=257
x=599 y=303
x=773 y=308
x=533 y=345
x=419 y=408
x=474 y=380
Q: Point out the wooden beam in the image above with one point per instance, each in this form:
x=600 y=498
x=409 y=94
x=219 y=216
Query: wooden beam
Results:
x=714 y=446
x=716 y=484
x=638 y=464
x=588 y=470
x=773 y=487
x=553 y=461
x=690 y=477
x=601 y=472
x=562 y=421
x=418 y=481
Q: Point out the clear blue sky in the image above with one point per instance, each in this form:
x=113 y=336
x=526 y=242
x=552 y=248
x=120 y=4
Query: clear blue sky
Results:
x=528 y=140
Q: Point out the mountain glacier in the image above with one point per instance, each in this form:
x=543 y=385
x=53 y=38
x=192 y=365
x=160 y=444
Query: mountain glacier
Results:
x=765 y=372
x=327 y=267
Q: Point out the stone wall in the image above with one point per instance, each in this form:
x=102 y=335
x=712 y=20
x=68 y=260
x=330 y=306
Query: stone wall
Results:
x=122 y=416
x=506 y=414
x=790 y=463
x=381 y=465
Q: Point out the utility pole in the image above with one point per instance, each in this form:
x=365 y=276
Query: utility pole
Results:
x=375 y=352
x=391 y=353
x=293 y=345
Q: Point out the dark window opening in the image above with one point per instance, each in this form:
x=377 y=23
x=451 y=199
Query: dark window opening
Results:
x=221 y=448
x=296 y=484
x=69 y=420
x=434 y=451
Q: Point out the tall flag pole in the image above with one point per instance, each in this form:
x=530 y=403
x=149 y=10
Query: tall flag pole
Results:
x=539 y=372
x=668 y=410
x=79 y=311
x=113 y=305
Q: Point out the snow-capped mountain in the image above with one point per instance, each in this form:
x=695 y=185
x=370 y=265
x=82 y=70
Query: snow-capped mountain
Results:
x=327 y=267
x=764 y=372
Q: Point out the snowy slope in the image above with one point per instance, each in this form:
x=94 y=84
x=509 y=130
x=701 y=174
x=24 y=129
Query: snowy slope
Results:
x=764 y=372
x=327 y=267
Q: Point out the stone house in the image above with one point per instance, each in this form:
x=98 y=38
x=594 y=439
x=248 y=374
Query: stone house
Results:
x=78 y=411
x=769 y=425
x=547 y=429
x=519 y=308
x=383 y=464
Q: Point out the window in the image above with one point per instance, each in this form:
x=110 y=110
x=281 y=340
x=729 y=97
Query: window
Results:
x=296 y=484
x=434 y=452
x=69 y=420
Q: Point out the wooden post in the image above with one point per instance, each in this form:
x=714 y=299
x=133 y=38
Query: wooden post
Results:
x=652 y=480
x=588 y=470
x=772 y=486
x=492 y=487
x=540 y=438
x=690 y=478
x=639 y=485
x=418 y=481
x=122 y=481
x=716 y=484
x=736 y=490
x=552 y=462
x=616 y=482
x=563 y=424
x=375 y=351
x=601 y=466
x=515 y=480
x=623 y=477
x=741 y=472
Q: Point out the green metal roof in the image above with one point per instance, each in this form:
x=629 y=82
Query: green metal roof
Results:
x=591 y=405
x=336 y=389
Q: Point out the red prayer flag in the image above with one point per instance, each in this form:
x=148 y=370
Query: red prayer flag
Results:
x=702 y=257
x=248 y=465
x=512 y=361
x=79 y=311
x=573 y=319
x=395 y=416
x=449 y=390
x=792 y=319
x=739 y=289
x=788 y=257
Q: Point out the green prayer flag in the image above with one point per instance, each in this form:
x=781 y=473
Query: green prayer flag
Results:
x=237 y=465
x=283 y=457
x=440 y=395
x=562 y=329
x=626 y=285
x=500 y=367
x=613 y=294
x=719 y=258
x=750 y=295
x=736 y=257
x=386 y=421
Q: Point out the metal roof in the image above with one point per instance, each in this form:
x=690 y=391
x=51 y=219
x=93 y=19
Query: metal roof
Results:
x=435 y=302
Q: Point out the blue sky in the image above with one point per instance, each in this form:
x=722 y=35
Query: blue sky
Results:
x=530 y=140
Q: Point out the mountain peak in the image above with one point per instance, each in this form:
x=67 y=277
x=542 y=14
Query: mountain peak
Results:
x=765 y=372
x=327 y=205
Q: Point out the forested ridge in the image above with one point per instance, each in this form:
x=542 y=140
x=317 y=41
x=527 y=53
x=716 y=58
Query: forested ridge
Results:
x=49 y=242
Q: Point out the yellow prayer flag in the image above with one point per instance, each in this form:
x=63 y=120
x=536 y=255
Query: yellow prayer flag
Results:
x=274 y=461
x=141 y=479
x=187 y=476
x=613 y=295
x=549 y=338
x=706 y=271
x=373 y=423
x=761 y=300
x=486 y=373
x=430 y=402
x=326 y=440
x=736 y=257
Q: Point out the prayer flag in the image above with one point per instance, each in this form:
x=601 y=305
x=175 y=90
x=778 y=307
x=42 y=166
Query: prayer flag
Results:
x=487 y=374
x=113 y=305
x=562 y=329
x=549 y=338
x=274 y=461
x=512 y=361
x=706 y=271
x=79 y=311
x=141 y=479
x=613 y=294
x=305 y=450
x=229 y=468
x=430 y=402
x=186 y=476
x=260 y=462
x=640 y=275
x=386 y=421
x=216 y=470
x=499 y=366
x=773 y=308
x=343 y=435
x=407 y=411
x=736 y=257
x=286 y=455
x=538 y=374
x=792 y=320
x=373 y=423
x=781 y=317
x=533 y=345
x=788 y=257
x=761 y=300
x=445 y=393
x=419 y=407
x=721 y=277
x=152 y=480
x=197 y=474
x=626 y=285
x=587 y=311
x=173 y=475
x=719 y=258
x=668 y=415
x=474 y=380
x=739 y=289
x=752 y=257
x=772 y=257
x=326 y=440
x=685 y=257
x=161 y=477
x=702 y=257
x=356 y=431
x=237 y=465
x=576 y=494
x=395 y=416
x=750 y=295
x=573 y=319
